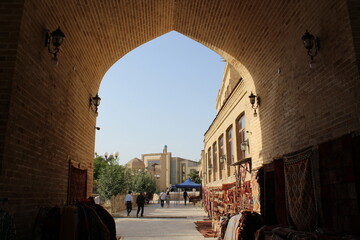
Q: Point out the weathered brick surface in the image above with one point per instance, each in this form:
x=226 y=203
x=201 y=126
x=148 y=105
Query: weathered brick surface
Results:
x=10 y=19
x=338 y=184
x=44 y=109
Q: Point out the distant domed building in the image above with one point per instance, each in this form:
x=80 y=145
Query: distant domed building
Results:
x=166 y=169
x=135 y=164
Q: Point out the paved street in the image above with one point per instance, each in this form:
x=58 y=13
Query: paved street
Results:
x=174 y=223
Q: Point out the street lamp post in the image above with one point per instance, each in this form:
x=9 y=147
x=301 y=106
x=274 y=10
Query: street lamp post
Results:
x=111 y=156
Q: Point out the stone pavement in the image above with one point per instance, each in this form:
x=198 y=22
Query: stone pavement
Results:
x=174 y=223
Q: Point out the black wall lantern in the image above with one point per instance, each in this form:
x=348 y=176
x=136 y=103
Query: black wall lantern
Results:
x=311 y=42
x=53 y=42
x=255 y=102
x=95 y=102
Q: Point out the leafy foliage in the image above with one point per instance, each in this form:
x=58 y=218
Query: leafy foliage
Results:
x=99 y=164
x=144 y=182
x=194 y=176
x=111 y=179
x=114 y=179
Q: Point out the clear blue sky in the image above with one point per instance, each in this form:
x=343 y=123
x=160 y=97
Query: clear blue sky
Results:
x=161 y=93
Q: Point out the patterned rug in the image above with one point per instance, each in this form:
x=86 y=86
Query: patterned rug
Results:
x=299 y=190
x=205 y=228
x=280 y=198
x=77 y=184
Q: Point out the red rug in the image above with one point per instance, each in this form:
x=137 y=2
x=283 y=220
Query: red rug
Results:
x=204 y=227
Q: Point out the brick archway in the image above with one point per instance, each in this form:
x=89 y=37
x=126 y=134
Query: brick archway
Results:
x=46 y=120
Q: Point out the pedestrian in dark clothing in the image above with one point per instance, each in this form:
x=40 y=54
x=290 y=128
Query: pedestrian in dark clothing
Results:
x=147 y=198
x=140 y=201
x=167 y=199
x=162 y=198
x=185 y=196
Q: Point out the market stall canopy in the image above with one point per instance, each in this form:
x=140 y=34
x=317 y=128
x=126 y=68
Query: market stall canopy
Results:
x=188 y=184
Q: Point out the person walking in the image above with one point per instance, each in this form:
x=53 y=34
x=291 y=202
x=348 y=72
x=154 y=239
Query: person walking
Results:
x=167 y=198
x=148 y=197
x=128 y=202
x=185 y=194
x=140 y=201
x=162 y=198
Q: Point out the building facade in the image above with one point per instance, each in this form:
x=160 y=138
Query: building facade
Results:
x=291 y=189
x=166 y=169
x=232 y=145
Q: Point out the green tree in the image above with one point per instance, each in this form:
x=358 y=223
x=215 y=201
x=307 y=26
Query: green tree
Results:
x=99 y=164
x=114 y=179
x=194 y=176
x=111 y=179
x=144 y=182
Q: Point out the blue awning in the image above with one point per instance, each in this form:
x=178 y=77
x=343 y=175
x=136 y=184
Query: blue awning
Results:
x=188 y=184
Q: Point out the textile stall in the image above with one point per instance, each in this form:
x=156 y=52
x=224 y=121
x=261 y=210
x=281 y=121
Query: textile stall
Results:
x=217 y=204
x=302 y=195
x=240 y=226
x=243 y=191
x=81 y=219
x=288 y=196
x=308 y=192
x=84 y=220
x=77 y=182
x=206 y=200
x=230 y=199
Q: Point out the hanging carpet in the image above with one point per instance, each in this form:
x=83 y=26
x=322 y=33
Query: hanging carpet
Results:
x=299 y=190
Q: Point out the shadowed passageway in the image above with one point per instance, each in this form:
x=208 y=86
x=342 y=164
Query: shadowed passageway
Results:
x=47 y=123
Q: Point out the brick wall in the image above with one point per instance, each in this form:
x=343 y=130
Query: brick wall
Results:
x=48 y=121
x=338 y=173
x=300 y=106
x=354 y=13
x=10 y=19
